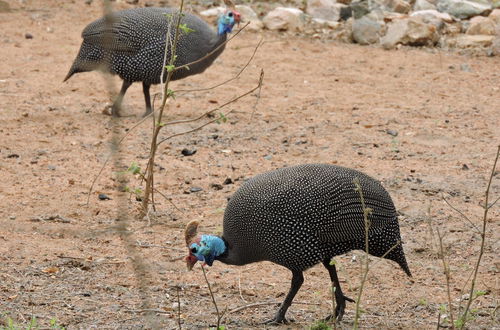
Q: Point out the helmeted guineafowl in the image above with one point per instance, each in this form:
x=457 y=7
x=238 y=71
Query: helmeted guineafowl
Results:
x=298 y=217
x=131 y=44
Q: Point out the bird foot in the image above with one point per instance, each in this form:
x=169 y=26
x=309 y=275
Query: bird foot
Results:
x=340 y=308
x=277 y=320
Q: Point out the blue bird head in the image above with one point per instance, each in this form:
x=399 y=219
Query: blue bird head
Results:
x=206 y=249
x=227 y=20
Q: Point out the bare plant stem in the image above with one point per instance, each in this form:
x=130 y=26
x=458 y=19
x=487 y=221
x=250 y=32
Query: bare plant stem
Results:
x=157 y=124
x=447 y=274
x=366 y=212
x=219 y=315
x=483 y=240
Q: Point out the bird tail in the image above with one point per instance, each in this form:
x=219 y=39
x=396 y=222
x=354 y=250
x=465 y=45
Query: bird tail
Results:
x=88 y=59
x=397 y=254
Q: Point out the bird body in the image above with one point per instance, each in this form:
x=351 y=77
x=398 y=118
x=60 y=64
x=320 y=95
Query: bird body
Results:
x=300 y=216
x=131 y=43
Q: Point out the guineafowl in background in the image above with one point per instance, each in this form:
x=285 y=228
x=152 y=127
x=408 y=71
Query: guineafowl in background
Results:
x=298 y=217
x=131 y=44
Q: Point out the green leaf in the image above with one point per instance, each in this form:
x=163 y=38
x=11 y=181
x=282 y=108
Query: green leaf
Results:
x=222 y=117
x=171 y=93
x=159 y=124
x=184 y=28
x=170 y=67
x=332 y=262
x=479 y=293
x=134 y=168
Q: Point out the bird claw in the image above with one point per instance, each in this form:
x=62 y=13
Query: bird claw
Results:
x=339 y=309
x=277 y=320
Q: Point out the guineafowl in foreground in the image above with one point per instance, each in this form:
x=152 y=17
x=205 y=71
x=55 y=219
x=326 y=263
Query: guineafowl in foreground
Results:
x=298 y=217
x=131 y=44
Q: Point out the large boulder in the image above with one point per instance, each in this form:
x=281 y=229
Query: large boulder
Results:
x=411 y=31
x=285 y=18
x=366 y=30
x=463 y=8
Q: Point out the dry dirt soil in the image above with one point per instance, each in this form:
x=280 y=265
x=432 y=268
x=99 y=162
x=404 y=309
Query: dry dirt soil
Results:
x=423 y=122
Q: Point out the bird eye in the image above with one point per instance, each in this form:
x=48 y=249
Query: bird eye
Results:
x=230 y=14
x=193 y=250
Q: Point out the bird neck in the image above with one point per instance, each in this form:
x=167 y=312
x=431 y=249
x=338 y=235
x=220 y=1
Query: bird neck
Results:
x=217 y=245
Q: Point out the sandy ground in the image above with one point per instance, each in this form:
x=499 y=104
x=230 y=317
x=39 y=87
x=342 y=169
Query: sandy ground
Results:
x=322 y=101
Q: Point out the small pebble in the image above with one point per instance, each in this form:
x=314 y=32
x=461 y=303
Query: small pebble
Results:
x=268 y=157
x=12 y=217
x=465 y=167
x=51 y=167
x=188 y=152
x=13 y=156
x=228 y=181
x=392 y=132
x=465 y=67
x=28 y=36
x=104 y=197
x=216 y=186
x=195 y=189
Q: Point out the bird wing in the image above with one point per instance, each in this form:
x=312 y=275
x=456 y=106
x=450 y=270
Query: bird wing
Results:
x=346 y=220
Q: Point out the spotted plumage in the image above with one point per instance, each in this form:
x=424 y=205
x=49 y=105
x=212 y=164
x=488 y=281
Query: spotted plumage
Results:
x=131 y=44
x=300 y=216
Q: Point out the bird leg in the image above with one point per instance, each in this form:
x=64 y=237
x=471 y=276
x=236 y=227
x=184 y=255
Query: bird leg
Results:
x=147 y=98
x=297 y=280
x=117 y=105
x=340 y=299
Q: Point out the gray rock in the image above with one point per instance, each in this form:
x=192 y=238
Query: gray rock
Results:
x=463 y=8
x=249 y=15
x=323 y=9
x=366 y=31
x=470 y=41
x=328 y=10
x=495 y=16
x=360 y=8
x=213 y=12
x=397 y=6
x=495 y=44
x=433 y=17
x=285 y=18
x=481 y=25
x=411 y=31
x=423 y=5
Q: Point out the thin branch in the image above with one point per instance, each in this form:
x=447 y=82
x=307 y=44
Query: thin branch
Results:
x=186 y=66
x=228 y=80
x=184 y=121
x=219 y=315
x=366 y=211
x=157 y=128
x=446 y=270
x=483 y=240
x=119 y=142
x=213 y=110
x=461 y=213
